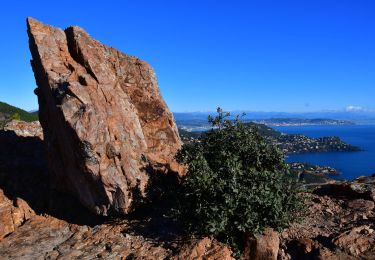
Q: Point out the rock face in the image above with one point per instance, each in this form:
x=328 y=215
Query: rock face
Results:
x=106 y=127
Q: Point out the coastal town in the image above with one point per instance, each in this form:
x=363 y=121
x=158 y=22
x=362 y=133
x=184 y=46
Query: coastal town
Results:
x=287 y=143
x=291 y=144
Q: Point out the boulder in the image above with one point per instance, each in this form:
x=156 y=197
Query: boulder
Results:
x=107 y=129
x=12 y=214
x=205 y=248
x=262 y=246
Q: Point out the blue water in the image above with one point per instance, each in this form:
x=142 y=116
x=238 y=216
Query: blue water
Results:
x=350 y=164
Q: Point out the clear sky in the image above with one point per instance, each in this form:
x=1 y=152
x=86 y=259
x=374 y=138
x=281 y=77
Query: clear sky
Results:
x=260 y=55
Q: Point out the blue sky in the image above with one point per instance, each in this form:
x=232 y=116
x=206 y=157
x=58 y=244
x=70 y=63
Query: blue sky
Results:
x=291 y=56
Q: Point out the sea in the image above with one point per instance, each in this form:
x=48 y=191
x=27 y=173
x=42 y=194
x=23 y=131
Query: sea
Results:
x=349 y=164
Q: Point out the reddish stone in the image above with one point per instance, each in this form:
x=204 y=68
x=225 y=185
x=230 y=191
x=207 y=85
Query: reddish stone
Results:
x=357 y=241
x=12 y=214
x=106 y=126
x=205 y=248
x=261 y=247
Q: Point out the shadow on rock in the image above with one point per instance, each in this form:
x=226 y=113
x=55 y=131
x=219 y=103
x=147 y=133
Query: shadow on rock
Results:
x=23 y=174
x=154 y=219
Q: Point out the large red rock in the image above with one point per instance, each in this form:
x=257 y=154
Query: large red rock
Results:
x=106 y=126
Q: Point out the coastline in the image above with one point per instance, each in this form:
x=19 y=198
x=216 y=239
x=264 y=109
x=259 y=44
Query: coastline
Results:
x=351 y=164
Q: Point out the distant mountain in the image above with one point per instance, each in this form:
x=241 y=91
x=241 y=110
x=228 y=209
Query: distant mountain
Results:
x=301 y=121
x=8 y=112
x=358 y=117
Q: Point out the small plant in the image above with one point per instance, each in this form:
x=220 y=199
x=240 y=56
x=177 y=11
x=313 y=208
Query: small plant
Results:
x=236 y=183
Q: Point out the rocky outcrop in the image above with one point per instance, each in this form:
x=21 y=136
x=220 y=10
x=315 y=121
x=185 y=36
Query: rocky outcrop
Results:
x=25 y=129
x=357 y=241
x=360 y=188
x=13 y=213
x=57 y=239
x=108 y=131
x=45 y=237
x=338 y=224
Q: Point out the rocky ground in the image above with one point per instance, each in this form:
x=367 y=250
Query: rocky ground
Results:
x=339 y=223
x=39 y=223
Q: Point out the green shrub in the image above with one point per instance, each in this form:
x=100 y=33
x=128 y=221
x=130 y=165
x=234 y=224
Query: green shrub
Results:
x=15 y=116
x=236 y=183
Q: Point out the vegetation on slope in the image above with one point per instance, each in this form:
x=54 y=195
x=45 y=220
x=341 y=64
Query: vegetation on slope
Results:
x=8 y=112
